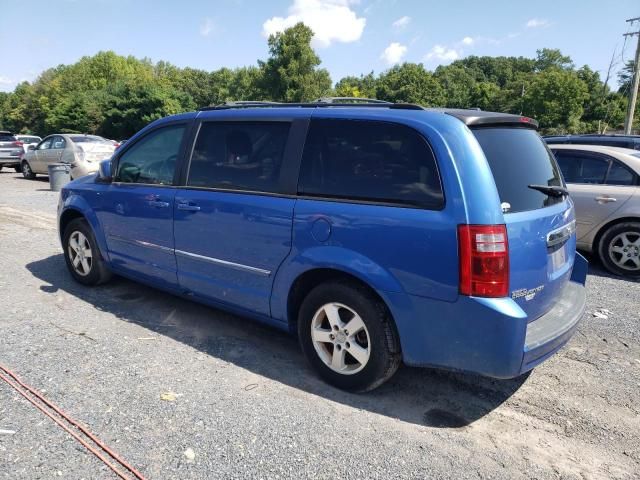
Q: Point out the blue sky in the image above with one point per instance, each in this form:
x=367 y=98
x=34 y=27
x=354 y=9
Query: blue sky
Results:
x=352 y=36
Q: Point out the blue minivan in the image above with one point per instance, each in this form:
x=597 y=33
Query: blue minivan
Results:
x=378 y=232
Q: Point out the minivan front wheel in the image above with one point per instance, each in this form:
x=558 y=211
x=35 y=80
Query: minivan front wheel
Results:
x=347 y=336
x=619 y=249
x=26 y=171
x=81 y=254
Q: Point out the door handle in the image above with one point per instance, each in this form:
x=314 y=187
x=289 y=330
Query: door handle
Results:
x=188 y=207
x=158 y=204
x=605 y=199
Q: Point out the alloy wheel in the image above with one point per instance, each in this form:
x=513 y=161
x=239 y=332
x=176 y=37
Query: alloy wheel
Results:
x=624 y=251
x=80 y=254
x=340 y=338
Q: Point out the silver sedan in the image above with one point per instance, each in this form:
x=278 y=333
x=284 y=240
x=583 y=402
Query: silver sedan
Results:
x=604 y=183
x=82 y=152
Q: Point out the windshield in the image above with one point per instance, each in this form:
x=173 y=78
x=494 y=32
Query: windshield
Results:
x=87 y=139
x=29 y=139
x=518 y=157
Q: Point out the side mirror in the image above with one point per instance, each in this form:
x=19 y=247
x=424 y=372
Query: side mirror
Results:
x=104 y=172
x=31 y=147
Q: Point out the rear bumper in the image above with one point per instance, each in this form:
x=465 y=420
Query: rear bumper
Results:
x=549 y=333
x=491 y=337
x=12 y=161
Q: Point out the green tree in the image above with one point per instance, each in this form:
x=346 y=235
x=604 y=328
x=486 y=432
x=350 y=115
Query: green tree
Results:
x=556 y=99
x=410 y=83
x=129 y=107
x=458 y=85
x=291 y=74
x=552 y=58
x=363 y=86
x=486 y=96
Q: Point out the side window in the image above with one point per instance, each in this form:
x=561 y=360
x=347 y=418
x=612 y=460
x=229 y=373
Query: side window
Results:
x=619 y=175
x=582 y=168
x=593 y=170
x=239 y=156
x=46 y=145
x=152 y=159
x=569 y=165
x=58 y=143
x=366 y=160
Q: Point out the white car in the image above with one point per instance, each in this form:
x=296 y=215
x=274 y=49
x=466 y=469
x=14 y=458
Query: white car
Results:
x=604 y=183
x=83 y=152
x=28 y=140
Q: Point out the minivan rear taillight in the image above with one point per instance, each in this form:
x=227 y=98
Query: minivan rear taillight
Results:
x=484 y=260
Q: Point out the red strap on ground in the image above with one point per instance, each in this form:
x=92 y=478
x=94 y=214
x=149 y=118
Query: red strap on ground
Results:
x=59 y=416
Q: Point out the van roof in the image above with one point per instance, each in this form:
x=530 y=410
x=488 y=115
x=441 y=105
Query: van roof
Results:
x=470 y=117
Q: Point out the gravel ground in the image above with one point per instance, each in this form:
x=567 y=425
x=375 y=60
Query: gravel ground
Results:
x=249 y=407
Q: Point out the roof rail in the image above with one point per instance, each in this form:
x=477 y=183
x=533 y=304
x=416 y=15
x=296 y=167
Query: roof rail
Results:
x=321 y=103
x=351 y=100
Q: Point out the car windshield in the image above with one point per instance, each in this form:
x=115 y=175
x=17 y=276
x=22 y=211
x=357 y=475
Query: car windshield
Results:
x=87 y=139
x=518 y=157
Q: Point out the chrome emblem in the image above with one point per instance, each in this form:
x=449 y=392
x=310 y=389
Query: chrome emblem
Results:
x=527 y=294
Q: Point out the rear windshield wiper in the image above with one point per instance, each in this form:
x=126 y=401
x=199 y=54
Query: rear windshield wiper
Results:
x=552 y=191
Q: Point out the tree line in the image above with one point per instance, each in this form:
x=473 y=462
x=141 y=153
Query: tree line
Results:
x=115 y=96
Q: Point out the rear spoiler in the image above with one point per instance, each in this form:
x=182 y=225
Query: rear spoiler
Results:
x=480 y=118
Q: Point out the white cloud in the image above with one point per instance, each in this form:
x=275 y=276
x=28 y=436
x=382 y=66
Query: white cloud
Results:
x=6 y=81
x=393 y=53
x=537 y=22
x=330 y=20
x=468 y=41
x=207 y=27
x=402 y=22
x=443 y=53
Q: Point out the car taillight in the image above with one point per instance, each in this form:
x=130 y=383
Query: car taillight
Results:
x=484 y=260
x=18 y=143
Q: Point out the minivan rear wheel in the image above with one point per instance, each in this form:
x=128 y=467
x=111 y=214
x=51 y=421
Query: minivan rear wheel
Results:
x=81 y=254
x=348 y=336
x=619 y=249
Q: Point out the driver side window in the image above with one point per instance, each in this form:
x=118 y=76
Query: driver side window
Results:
x=46 y=145
x=152 y=160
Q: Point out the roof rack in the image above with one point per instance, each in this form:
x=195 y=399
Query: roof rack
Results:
x=352 y=100
x=320 y=103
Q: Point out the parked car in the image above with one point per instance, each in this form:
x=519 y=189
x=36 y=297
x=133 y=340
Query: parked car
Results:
x=609 y=140
x=28 y=140
x=82 y=152
x=604 y=183
x=11 y=151
x=378 y=233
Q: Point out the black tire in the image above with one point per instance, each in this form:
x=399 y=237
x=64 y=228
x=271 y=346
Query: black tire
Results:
x=98 y=272
x=384 y=358
x=18 y=169
x=611 y=238
x=26 y=171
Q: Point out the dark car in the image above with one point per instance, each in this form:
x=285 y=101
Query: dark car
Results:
x=621 y=141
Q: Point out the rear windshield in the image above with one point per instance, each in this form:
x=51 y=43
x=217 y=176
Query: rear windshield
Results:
x=30 y=139
x=518 y=157
x=86 y=139
x=7 y=138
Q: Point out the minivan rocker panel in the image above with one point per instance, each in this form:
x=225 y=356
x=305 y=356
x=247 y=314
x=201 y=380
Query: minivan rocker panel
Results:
x=435 y=250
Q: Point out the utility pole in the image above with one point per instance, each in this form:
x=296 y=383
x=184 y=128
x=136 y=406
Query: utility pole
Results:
x=633 y=93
